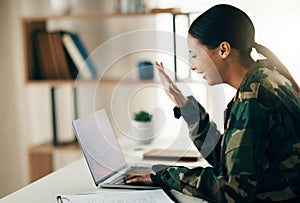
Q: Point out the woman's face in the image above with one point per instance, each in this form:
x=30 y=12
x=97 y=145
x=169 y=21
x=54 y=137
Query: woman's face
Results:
x=204 y=61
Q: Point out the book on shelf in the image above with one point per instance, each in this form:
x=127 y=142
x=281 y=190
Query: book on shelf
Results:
x=79 y=55
x=61 y=68
x=42 y=52
x=51 y=58
x=61 y=55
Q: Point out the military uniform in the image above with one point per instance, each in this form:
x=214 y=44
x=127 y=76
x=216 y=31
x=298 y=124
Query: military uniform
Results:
x=257 y=157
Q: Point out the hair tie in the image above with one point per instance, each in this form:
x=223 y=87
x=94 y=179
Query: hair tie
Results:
x=250 y=43
x=254 y=44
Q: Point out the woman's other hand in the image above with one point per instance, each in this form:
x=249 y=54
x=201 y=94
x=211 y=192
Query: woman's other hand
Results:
x=139 y=177
x=171 y=89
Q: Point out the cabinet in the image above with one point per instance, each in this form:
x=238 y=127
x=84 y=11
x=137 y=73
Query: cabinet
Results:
x=45 y=158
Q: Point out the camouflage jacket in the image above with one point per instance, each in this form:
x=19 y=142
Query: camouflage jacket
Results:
x=257 y=157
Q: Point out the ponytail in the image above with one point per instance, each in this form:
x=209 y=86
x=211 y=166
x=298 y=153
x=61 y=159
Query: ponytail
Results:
x=276 y=62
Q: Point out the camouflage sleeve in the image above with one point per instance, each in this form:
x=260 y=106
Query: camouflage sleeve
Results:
x=203 y=132
x=198 y=182
x=244 y=161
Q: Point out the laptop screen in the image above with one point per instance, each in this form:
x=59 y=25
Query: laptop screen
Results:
x=99 y=144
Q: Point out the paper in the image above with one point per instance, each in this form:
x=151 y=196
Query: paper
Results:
x=145 y=196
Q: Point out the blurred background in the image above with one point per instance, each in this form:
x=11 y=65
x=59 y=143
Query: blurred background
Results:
x=25 y=110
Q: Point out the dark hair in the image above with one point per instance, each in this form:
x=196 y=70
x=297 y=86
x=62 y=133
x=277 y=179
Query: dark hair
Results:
x=224 y=23
x=227 y=23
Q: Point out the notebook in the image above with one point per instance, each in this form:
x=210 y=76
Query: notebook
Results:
x=172 y=154
x=102 y=151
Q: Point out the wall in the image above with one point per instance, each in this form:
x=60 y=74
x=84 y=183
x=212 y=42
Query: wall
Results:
x=25 y=110
x=12 y=129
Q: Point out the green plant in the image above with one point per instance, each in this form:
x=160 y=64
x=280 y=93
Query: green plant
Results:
x=142 y=116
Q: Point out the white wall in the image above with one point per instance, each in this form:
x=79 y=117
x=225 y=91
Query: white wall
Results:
x=25 y=110
x=12 y=129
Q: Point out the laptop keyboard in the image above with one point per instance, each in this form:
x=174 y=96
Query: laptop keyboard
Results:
x=120 y=179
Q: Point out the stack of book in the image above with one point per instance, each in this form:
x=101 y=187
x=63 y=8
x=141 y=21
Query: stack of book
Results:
x=62 y=55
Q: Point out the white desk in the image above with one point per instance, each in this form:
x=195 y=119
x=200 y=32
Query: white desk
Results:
x=75 y=178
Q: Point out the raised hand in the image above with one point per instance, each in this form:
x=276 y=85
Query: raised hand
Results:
x=170 y=87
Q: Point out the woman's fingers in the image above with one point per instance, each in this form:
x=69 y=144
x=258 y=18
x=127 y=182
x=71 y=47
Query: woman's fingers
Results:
x=133 y=175
x=171 y=89
x=160 y=65
x=134 y=179
x=129 y=177
x=164 y=77
x=157 y=64
x=139 y=177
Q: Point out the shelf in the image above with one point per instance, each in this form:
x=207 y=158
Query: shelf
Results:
x=55 y=83
x=51 y=83
x=32 y=23
x=94 y=16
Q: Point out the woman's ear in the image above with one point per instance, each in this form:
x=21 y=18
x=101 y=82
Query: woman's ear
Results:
x=224 y=49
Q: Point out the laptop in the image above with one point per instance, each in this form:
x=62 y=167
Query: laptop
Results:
x=102 y=152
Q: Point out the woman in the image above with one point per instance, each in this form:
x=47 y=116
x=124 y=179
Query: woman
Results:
x=258 y=157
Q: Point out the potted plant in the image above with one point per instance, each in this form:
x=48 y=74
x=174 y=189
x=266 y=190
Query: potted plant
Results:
x=142 y=128
x=142 y=116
